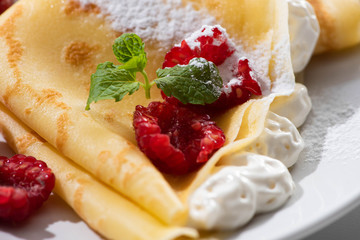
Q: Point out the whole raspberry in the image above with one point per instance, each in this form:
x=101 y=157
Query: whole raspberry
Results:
x=176 y=139
x=210 y=43
x=26 y=184
x=5 y=4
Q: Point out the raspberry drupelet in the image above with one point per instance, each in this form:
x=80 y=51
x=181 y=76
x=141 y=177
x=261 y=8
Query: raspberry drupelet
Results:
x=25 y=184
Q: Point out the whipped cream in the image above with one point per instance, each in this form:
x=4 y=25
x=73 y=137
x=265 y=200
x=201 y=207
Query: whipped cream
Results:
x=304 y=32
x=295 y=107
x=231 y=197
x=280 y=139
x=256 y=180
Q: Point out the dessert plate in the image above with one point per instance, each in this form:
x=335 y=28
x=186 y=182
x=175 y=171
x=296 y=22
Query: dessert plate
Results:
x=325 y=175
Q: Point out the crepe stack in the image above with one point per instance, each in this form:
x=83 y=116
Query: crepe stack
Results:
x=48 y=51
x=339 y=23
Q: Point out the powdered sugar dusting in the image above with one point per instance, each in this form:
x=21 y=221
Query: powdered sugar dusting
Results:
x=207 y=31
x=327 y=113
x=164 y=21
x=350 y=141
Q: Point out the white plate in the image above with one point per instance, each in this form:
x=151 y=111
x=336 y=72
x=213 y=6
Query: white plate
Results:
x=326 y=175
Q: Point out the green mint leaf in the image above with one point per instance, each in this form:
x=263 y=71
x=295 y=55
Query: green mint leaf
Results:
x=135 y=64
x=128 y=47
x=198 y=82
x=110 y=82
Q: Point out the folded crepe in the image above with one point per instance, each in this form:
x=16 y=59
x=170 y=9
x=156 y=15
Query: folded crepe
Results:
x=339 y=23
x=49 y=49
x=109 y=213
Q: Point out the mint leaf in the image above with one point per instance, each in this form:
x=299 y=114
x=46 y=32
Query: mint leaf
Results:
x=128 y=47
x=110 y=82
x=135 y=64
x=198 y=82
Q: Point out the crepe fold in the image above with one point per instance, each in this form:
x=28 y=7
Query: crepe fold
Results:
x=48 y=51
x=339 y=23
x=109 y=213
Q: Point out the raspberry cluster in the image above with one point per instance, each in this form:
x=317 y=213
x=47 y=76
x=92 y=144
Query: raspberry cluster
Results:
x=25 y=184
x=176 y=139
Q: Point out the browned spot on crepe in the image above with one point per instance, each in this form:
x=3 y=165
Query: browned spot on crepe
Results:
x=109 y=117
x=69 y=176
x=102 y=159
x=74 y=7
x=28 y=111
x=327 y=25
x=46 y=96
x=63 y=123
x=127 y=168
x=78 y=198
x=51 y=96
x=7 y=31
x=80 y=54
x=25 y=141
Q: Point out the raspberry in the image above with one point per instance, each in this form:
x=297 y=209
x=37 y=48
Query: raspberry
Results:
x=179 y=55
x=5 y=4
x=213 y=46
x=26 y=184
x=176 y=139
x=238 y=92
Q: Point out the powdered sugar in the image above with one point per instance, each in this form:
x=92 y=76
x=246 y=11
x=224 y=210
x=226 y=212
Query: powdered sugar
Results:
x=350 y=141
x=327 y=114
x=207 y=31
x=228 y=70
x=164 y=21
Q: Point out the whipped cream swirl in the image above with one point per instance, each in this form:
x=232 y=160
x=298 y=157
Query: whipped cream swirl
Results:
x=304 y=32
x=230 y=198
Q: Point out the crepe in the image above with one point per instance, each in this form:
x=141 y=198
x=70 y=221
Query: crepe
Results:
x=339 y=24
x=109 y=213
x=49 y=49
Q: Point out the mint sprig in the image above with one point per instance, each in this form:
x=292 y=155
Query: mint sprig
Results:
x=198 y=82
